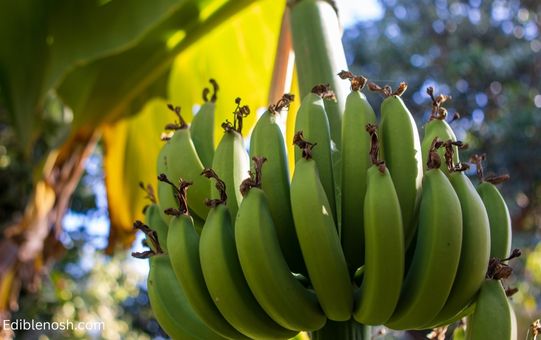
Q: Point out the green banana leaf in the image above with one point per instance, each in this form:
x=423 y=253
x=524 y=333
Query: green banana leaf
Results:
x=111 y=86
x=42 y=40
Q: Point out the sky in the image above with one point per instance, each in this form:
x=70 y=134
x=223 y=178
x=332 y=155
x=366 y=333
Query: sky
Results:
x=352 y=11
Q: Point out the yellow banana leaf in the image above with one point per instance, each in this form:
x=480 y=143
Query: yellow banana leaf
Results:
x=131 y=149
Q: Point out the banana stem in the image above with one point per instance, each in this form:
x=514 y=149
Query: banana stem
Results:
x=344 y=330
x=254 y=181
x=374 y=147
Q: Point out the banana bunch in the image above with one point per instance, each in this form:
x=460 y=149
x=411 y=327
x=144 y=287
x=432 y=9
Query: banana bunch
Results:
x=397 y=235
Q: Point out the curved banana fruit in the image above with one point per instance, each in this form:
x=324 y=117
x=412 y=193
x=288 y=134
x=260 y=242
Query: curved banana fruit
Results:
x=202 y=126
x=319 y=54
x=284 y=298
x=183 y=162
x=231 y=161
x=166 y=196
x=313 y=122
x=438 y=127
x=498 y=213
x=494 y=316
x=183 y=242
x=170 y=305
x=384 y=245
x=499 y=219
x=267 y=140
x=355 y=163
x=437 y=251
x=225 y=280
x=318 y=238
x=475 y=250
x=401 y=149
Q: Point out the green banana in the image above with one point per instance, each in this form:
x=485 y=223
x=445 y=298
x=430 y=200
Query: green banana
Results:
x=278 y=292
x=166 y=196
x=224 y=277
x=170 y=304
x=438 y=127
x=231 y=161
x=183 y=162
x=401 y=149
x=498 y=213
x=384 y=244
x=494 y=316
x=499 y=217
x=355 y=163
x=313 y=122
x=437 y=250
x=318 y=238
x=202 y=126
x=267 y=139
x=183 y=242
x=475 y=252
x=319 y=54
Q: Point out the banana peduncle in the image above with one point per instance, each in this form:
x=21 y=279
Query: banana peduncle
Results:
x=152 y=236
x=220 y=185
x=303 y=144
x=357 y=82
x=374 y=147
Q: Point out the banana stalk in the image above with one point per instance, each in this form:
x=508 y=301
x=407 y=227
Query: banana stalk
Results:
x=319 y=54
x=350 y=330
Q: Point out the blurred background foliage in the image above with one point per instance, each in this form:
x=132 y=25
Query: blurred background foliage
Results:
x=485 y=54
